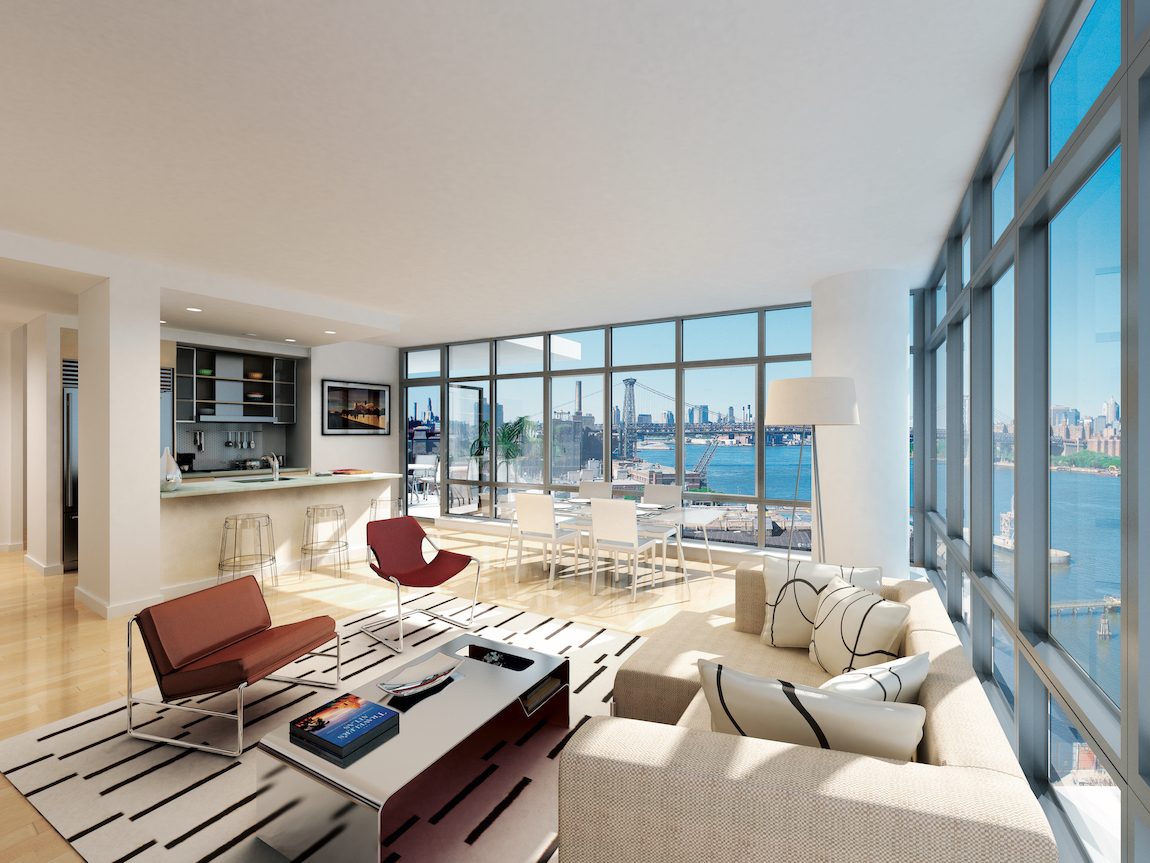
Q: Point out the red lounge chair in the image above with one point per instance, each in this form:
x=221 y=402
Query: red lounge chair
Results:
x=397 y=544
x=217 y=640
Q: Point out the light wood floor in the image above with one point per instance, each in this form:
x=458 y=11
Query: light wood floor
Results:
x=59 y=659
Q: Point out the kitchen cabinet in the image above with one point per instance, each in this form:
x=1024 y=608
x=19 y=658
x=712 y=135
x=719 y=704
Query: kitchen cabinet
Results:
x=225 y=386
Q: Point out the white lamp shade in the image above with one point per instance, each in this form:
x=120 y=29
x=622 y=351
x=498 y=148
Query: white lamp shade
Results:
x=817 y=401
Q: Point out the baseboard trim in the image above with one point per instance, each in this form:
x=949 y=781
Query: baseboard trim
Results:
x=111 y=610
x=12 y=546
x=41 y=568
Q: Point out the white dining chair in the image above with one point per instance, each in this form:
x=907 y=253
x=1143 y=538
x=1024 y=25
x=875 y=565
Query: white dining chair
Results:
x=615 y=528
x=535 y=516
x=595 y=490
x=666 y=530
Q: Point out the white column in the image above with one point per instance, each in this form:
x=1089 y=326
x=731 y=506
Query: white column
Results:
x=43 y=455
x=12 y=439
x=860 y=323
x=119 y=439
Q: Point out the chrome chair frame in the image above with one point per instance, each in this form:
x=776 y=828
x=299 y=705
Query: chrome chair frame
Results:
x=238 y=714
x=395 y=645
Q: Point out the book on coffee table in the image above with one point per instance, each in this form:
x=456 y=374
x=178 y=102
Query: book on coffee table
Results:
x=345 y=727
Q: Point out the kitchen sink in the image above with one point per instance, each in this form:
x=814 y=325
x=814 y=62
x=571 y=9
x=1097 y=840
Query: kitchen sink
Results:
x=266 y=479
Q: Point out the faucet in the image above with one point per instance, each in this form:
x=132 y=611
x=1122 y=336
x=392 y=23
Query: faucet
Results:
x=273 y=460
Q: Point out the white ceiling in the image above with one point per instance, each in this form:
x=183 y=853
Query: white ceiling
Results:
x=30 y=290
x=500 y=167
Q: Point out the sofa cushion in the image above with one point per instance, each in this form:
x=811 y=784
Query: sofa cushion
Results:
x=898 y=680
x=751 y=706
x=658 y=682
x=698 y=713
x=792 y=595
x=855 y=628
x=187 y=628
x=249 y=660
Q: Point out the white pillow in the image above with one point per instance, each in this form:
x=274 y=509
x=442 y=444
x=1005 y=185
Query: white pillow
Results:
x=897 y=680
x=855 y=628
x=790 y=713
x=793 y=596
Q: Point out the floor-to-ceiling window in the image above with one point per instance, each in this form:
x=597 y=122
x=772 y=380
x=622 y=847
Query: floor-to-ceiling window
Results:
x=677 y=401
x=1042 y=565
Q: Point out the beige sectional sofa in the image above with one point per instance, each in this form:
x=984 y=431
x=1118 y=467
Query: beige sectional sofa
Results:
x=653 y=784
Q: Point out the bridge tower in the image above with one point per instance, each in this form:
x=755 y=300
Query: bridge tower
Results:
x=627 y=443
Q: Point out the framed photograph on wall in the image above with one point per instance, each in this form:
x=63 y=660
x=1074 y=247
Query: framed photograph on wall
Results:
x=356 y=408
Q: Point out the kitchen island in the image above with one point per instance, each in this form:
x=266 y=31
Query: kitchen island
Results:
x=192 y=517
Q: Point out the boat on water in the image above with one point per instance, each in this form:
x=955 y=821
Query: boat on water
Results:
x=653 y=444
x=1004 y=539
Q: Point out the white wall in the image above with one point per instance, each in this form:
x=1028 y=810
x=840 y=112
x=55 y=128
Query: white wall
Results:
x=860 y=325
x=12 y=439
x=43 y=432
x=361 y=363
x=119 y=434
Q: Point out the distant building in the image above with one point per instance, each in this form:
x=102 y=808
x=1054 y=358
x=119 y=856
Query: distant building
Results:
x=1111 y=410
x=691 y=416
x=731 y=414
x=643 y=419
x=669 y=418
x=704 y=414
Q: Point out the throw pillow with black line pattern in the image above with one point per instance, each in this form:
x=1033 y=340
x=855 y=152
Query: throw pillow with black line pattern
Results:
x=748 y=706
x=793 y=595
x=898 y=680
x=855 y=628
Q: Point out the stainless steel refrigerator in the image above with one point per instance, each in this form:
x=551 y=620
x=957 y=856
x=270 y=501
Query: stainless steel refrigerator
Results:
x=71 y=479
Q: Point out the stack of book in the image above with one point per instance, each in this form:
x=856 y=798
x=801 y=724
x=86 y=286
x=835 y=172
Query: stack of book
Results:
x=344 y=729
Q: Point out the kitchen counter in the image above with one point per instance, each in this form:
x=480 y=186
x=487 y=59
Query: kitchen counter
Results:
x=263 y=471
x=197 y=488
x=191 y=519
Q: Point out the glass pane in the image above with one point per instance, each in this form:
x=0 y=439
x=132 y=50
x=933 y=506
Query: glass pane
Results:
x=1002 y=409
x=778 y=532
x=641 y=436
x=469 y=432
x=940 y=429
x=469 y=500
x=781 y=444
x=1086 y=424
x=581 y=350
x=1002 y=660
x=788 y=331
x=470 y=360
x=966 y=600
x=519 y=430
x=423 y=436
x=1002 y=199
x=577 y=429
x=940 y=300
x=720 y=338
x=514 y=356
x=423 y=364
x=966 y=256
x=1089 y=63
x=719 y=454
x=726 y=521
x=966 y=428
x=642 y=344
x=1083 y=786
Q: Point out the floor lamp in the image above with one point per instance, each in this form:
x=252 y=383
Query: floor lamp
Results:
x=810 y=403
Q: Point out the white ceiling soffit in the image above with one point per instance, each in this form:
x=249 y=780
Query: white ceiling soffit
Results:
x=28 y=291
x=498 y=168
x=247 y=320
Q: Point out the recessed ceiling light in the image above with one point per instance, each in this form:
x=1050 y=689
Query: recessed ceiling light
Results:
x=289 y=340
x=329 y=332
x=251 y=334
x=162 y=321
x=192 y=309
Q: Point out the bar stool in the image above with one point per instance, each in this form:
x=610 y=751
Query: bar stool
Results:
x=247 y=546
x=388 y=504
x=324 y=533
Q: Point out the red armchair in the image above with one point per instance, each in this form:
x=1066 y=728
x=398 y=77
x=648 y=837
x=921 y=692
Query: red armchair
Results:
x=218 y=640
x=397 y=545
